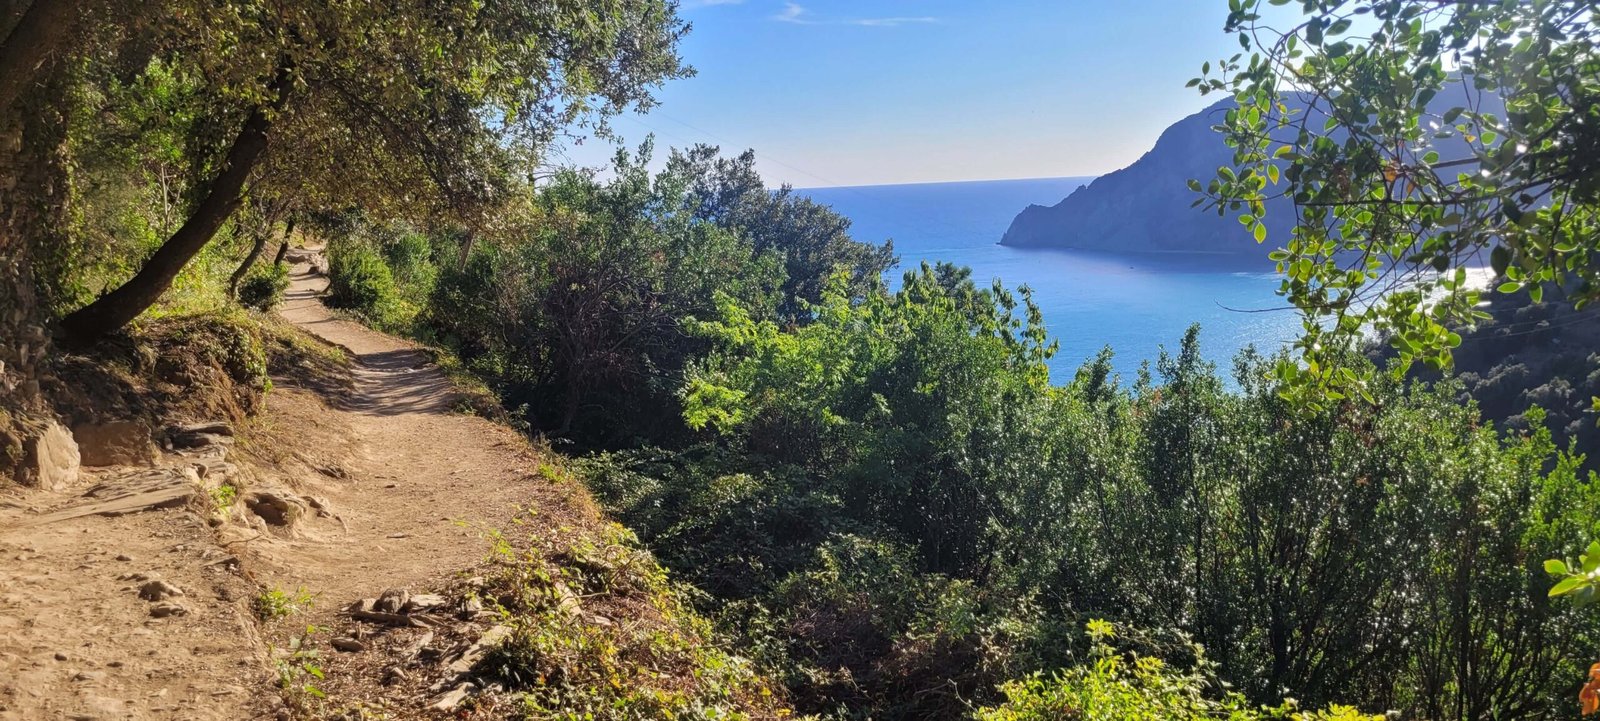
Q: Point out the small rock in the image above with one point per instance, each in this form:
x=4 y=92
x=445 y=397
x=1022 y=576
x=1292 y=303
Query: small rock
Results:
x=392 y=600
x=348 y=645
x=391 y=485
x=159 y=590
x=124 y=557
x=88 y=676
x=454 y=697
x=216 y=428
x=424 y=602
x=470 y=607
x=393 y=675
x=62 y=656
x=365 y=605
x=168 y=608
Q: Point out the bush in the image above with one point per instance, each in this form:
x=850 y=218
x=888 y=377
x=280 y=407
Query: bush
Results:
x=263 y=288
x=360 y=281
x=1118 y=687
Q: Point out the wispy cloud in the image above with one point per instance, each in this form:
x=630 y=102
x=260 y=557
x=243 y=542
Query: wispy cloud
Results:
x=797 y=14
x=793 y=13
x=892 y=22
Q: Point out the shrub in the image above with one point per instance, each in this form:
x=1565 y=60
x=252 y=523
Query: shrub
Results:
x=361 y=282
x=1118 y=687
x=263 y=288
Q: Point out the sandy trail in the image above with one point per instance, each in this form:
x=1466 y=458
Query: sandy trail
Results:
x=410 y=486
x=421 y=482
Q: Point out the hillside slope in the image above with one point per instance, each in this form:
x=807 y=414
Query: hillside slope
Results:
x=1148 y=207
x=359 y=547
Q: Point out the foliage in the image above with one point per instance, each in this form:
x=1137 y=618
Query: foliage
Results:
x=263 y=288
x=275 y=603
x=1393 y=196
x=359 y=281
x=578 y=315
x=1580 y=580
x=1114 y=687
x=566 y=659
x=1354 y=553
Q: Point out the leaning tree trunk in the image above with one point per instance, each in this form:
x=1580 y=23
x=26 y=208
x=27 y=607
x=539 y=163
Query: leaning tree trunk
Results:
x=42 y=29
x=288 y=237
x=256 y=246
x=115 y=309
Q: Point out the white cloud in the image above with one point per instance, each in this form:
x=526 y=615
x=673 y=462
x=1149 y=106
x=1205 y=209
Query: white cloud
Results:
x=797 y=14
x=793 y=13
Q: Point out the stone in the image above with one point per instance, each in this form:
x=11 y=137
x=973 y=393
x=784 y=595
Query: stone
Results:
x=277 y=507
x=216 y=428
x=392 y=600
x=116 y=443
x=124 y=557
x=424 y=602
x=158 y=590
x=480 y=648
x=470 y=607
x=365 y=605
x=89 y=676
x=393 y=675
x=348 y=645
x=453 y=698
x=50 y=458
x=168 y=608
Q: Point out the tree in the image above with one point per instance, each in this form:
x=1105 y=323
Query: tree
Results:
x=415 y=104
x=1394 y=197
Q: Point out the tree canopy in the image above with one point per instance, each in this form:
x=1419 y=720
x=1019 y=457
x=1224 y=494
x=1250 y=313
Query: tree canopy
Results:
x=421 y=109
x=1395 y=198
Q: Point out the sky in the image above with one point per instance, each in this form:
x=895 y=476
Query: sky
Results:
x=869 y=92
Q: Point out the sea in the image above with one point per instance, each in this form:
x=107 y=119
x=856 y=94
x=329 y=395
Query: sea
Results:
x=1136 y=304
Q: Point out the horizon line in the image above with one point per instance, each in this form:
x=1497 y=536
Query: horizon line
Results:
x=949 y=182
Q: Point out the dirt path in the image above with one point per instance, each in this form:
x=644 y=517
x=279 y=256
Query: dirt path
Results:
x=419 y=481
x=405 y=485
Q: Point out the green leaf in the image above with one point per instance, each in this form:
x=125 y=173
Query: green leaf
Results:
x=1568 y=586
x=1555 y=567
x=1509 y=287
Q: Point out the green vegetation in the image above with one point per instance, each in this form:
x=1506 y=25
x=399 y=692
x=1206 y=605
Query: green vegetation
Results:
x=598 y=632
x=1391 y=199
x=882 y=496
x=889 y=504
x=1133 y=688
x=275 y=603
x=262 y=288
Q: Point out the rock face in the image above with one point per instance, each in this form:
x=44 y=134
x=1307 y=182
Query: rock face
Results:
x=117 y=443
x=50 y=458
x=1147 y=206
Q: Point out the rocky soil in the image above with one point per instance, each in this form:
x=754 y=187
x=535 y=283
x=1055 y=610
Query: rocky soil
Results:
x=178 y=580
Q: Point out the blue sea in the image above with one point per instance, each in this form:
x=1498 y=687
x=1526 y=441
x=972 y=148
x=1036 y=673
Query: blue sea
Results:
x=1136 y=304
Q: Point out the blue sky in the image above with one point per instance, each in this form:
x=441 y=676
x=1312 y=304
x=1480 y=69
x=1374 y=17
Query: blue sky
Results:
x=835 y=92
